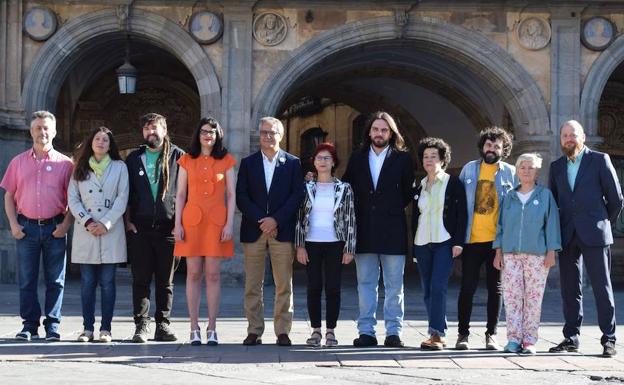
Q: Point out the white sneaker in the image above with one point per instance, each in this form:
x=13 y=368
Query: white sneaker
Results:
x=86 y=336
x=106 y=336
x=195 y=337
x=212 y=338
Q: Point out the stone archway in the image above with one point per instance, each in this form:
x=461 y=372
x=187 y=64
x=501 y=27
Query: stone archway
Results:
x=58 y=55
x=479 y=55
x=595 y=82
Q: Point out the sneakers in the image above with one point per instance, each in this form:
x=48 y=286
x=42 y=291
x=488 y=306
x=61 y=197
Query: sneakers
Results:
x=462 y=342
x=106 y=336
x=364 y=340
x=434 y=343
x=164 y=333
x=85 y=336
x=212 y=338
x=529 y=350
x=609 y=349
x=512 y=347
x=141 y=332
x=26 y=335
x=393 y=341
x=491 y=343
x=195 y=337
x=567 y=345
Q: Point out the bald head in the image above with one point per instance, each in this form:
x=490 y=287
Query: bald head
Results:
x=572 y=138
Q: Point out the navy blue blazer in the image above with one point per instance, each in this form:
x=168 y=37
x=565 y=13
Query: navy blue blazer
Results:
x=281 y=202
x=380 y=212
x=595 y=202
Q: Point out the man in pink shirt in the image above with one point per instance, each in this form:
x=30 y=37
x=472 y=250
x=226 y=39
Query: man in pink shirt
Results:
x=36 y=206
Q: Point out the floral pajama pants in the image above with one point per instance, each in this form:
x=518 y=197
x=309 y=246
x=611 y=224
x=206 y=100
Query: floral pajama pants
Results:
x=523 y=280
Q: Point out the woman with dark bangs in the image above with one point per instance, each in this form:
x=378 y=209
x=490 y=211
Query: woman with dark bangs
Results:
x=325 y=240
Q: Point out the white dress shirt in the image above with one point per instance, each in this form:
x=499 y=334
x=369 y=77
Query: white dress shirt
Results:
x=375 y=162
x=269 y=168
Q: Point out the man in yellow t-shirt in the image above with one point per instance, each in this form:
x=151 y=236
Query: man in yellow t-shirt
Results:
x=487 y=180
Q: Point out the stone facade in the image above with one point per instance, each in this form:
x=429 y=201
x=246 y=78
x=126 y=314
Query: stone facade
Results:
x=444 y=68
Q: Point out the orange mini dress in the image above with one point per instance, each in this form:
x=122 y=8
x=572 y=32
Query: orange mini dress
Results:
x=205 y=214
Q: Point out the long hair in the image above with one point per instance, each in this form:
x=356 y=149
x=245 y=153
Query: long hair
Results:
x=218 y=150
x=163 y=159
x=397 y=143
x=84 y=152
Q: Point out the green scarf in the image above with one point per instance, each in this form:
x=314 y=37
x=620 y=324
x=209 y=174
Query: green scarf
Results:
x=99 y=167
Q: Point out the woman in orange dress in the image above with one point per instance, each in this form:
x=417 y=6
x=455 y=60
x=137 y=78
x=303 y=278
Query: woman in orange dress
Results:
x=204 y=219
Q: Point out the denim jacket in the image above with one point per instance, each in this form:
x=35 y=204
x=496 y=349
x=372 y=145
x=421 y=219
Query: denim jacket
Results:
x=532 y=228
x=505 y=180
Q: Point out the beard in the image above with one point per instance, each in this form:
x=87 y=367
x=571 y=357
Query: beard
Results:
x=379 y=142
x=570 y=151
x=490 y=157
x=153 y=141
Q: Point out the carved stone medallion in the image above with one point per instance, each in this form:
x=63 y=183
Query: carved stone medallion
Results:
x=206 y=27
x=270 y=29
x=597 y=33
x=533 y=33
x=40 y=23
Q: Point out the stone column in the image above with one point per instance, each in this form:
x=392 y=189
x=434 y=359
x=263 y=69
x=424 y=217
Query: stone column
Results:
x=11 y=112
x=236 y=99
x=565 y=67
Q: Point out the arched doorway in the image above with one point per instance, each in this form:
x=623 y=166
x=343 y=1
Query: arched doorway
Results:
x=428 y=74
x=77 y=61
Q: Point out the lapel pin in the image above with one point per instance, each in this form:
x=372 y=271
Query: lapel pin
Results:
x=141 y=173
x=468 y=181
x=536 y=202
x=48 y=168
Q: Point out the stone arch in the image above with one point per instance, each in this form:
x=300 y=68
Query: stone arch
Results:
x=60 y=53
x=505 y=76
x=595 y=82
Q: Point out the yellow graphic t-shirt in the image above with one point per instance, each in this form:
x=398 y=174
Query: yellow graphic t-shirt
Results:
x=486 y=206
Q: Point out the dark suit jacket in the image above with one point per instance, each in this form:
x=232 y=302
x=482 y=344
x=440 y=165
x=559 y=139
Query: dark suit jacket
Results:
x=380 y=213
x=281 y=202
x=455 y=214
x=595 y=202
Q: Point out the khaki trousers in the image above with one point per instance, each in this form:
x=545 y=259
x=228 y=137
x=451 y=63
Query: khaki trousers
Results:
x=282 y=256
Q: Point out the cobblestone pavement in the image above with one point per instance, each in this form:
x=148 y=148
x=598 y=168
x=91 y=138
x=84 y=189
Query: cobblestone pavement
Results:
x=122 y=362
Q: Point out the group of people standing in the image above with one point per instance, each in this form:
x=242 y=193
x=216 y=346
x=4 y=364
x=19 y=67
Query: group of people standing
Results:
x=168 y=204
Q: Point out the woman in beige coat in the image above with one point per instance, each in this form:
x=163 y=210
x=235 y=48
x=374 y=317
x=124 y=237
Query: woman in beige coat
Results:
x=98 y=195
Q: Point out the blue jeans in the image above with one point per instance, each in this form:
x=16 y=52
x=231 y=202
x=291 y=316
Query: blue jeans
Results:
x=90 y=276
x=435 y=261
x=368 y=266
x=39 y=242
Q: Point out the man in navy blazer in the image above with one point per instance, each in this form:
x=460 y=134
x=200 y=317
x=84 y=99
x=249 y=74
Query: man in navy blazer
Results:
x=269 y=191
x=588 y=193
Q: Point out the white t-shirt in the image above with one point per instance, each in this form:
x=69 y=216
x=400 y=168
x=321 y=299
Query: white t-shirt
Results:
x=524 y=197
x=322 y=215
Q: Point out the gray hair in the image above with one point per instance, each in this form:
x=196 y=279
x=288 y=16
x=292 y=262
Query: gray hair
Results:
x=42 y=115
x=274 y=122
x=533 y=157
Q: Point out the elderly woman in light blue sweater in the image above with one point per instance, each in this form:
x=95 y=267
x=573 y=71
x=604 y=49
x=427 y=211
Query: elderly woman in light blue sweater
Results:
x=527 y=237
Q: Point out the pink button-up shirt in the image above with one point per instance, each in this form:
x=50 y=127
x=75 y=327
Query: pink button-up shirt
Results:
x=39 y=187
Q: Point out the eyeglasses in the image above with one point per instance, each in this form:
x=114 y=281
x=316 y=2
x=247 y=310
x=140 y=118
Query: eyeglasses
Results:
x=208 y=132
x=269 y=134
x=321 y=158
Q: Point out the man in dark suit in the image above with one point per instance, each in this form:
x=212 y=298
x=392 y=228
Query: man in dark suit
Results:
x=589 y=196
x=381 y=174
x=269 y=191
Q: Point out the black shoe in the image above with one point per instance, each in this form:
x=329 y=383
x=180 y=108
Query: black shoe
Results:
x=141 y=332
x=609 y=349
x=283 y=340
x=393 y=342
x=567 y=345
x=252 y=339
x=365 y=340
x=164 y=333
